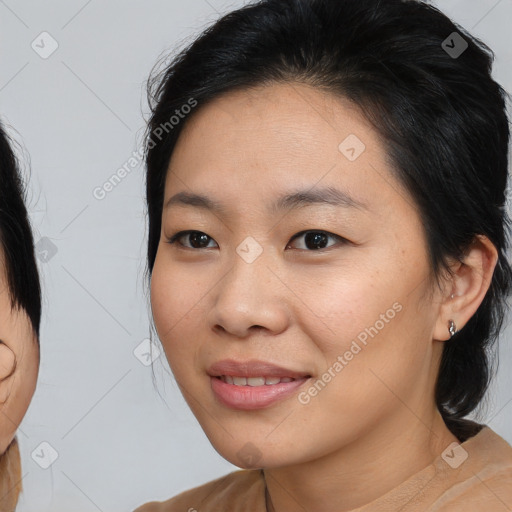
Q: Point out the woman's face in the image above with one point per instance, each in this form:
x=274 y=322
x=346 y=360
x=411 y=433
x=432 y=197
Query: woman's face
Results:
x=329 y=288
x=19 y=363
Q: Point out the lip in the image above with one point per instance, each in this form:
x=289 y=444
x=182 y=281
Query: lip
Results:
x=253 y=397
x=252 y=368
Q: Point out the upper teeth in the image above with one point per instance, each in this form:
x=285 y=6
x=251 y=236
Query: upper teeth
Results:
x=254 y=381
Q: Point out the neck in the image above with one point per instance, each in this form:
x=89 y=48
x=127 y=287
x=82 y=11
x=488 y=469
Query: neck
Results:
x=10 y=477
x=362 y=471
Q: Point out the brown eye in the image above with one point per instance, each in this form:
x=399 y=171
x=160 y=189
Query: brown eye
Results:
x=313 y=240
x=316 y=240
x=197 y=239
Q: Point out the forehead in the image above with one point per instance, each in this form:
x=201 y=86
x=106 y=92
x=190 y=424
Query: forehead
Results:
x=267 y=140
x=289 y=114
x=279 y=123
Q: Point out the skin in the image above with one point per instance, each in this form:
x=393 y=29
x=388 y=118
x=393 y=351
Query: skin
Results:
x=375 y=423
x=19 y=364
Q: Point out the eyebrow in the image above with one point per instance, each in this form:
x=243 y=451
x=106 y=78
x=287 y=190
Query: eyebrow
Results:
x=294 y=200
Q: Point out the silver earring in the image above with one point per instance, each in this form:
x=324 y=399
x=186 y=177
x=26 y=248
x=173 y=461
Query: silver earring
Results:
x=452 y=328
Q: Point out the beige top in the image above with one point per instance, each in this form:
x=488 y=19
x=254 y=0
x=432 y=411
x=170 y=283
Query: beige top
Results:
x=482 y=482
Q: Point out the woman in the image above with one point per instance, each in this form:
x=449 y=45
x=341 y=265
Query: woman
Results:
x=20 y=314
x=327 y=255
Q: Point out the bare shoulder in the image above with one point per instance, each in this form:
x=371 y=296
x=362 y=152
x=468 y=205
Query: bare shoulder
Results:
x=233 y=489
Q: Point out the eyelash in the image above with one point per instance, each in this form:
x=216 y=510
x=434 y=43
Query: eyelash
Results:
x=180 y=234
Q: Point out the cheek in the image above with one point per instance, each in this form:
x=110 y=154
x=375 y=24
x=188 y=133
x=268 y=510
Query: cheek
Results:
x=171 y=293
x=343 y=305
x=176 y=307
x=385 y=359
x=29 y=371
x=367 y=327
x=19 y=390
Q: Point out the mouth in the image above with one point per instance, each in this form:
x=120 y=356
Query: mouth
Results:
x=253 y=384
x=253 y=381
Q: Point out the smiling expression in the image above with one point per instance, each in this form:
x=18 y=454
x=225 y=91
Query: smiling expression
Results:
x=278 y=250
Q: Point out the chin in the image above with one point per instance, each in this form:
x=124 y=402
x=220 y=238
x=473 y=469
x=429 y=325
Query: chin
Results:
x=250 y=452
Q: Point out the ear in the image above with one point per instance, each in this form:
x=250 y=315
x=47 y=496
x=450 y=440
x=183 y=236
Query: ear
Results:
x=466 y=288
x=7 y=366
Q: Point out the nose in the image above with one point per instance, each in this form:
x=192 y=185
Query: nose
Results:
x=248 y=298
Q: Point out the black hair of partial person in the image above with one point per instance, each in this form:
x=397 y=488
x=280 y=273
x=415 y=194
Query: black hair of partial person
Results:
x=442 y=120
x=16 y=237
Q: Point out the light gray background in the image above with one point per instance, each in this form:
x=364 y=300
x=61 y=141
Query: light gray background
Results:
x=120 y=440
